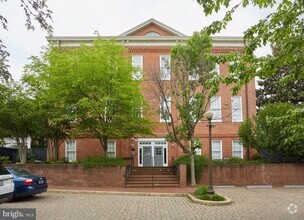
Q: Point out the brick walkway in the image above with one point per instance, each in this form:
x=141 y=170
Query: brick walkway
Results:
x=249 y=204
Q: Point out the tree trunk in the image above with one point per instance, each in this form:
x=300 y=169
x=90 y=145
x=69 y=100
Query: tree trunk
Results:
x=193 y=182
x=22 y=154
x=104 y=144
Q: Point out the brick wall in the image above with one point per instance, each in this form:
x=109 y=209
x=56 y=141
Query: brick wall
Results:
x=255 y=174
x=76 y=175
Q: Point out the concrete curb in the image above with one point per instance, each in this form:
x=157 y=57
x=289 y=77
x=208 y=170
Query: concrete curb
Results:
x=192 y=199
x=293 y=186
x=259 y=187
x=228 y=201
x=116 y=193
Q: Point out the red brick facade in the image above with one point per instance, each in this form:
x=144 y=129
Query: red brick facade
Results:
x=151 y=49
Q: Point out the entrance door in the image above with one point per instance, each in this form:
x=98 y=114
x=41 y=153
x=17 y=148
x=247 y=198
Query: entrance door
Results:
x=158 y=156
x=147 y=156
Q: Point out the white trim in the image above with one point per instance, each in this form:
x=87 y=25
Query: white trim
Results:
x=152 y=145
x=219 y=98
x=242 y=148
x=149 y=22
x=114 y=147
x=221 y=147
x=75 y=41
x=66 y=156
x=161 y=102
x=165 y=56
x=141 y=66
x=240 y=108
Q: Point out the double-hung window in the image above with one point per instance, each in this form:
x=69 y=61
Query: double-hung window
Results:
x=137 y=62
x=215 y=107
x=165 y=109
x=70 y=150
x=111 y=150
x=237 y=149
x=216 y=150
x=236 y=105
x=165 y=67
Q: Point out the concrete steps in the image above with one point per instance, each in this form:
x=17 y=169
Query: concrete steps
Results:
x=152 y=177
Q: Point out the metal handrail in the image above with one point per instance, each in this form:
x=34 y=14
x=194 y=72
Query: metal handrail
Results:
x=128 y=173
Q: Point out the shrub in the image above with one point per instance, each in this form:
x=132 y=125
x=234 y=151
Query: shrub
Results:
x=91 y=162
x=5 y=160
x=256 y=156
x=199 y=163
x=235 y=160
x=201 y=190
x=210 y=197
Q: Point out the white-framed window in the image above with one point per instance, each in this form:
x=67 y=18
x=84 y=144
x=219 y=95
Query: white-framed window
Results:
x=138 y=111
x=165 y=67
x=194 y=75
x=217 y=150
x=237 y=112
x=152 y=34
x=237 y=149
x=111 y=151
x=165 y=109
x=216 y=69
x=70 y=150
x=137 y=62
x=216 y=108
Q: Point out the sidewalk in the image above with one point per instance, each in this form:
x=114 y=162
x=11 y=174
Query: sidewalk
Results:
x=135 y=191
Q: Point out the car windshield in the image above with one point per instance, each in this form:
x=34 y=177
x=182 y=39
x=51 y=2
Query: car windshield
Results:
x=3 y=171
x=21 y=172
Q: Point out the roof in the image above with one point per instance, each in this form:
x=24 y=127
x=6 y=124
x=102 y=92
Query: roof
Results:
x=150 y=22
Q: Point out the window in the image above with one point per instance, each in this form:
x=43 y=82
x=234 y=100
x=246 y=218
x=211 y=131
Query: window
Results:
x=165 y=109
x=165 y=67
x=237 y=149
x=236 y=105
x=70 y=150
x=216 y=69
x=138 y=110
x=111 y=151
x=215 y=107
x=216 y=150
x=194 y=75
x=152 y=34
x=137 y=62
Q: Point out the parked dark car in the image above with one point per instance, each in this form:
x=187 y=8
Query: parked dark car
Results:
x=26 y=183
x=6 y=185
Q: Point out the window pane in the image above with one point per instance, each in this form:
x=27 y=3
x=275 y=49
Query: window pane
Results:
x=215 y=107
x=165 y=67
x=137 y=62
x=237 y=149
x=236 y=104
x=111 y=151
x=216 y=150
x=165 y=109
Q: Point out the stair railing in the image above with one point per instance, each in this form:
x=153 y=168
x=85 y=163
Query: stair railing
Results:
x=128 y=173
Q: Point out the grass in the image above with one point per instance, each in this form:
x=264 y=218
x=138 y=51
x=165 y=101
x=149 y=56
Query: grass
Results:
x=201 y=193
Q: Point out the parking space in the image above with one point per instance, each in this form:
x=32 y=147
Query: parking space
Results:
x=278 y=203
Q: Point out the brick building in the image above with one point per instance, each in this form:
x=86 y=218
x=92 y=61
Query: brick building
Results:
x=149 y=44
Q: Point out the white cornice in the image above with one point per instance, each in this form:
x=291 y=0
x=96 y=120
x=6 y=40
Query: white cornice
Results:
x=75 y=41
x=157 y=23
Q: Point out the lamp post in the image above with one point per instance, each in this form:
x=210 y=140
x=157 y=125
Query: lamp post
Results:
x=209 y=116
x=133 y=154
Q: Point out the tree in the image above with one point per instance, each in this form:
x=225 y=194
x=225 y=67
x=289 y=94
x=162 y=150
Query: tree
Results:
x=94 y=88
x=247 y=135
x=19 y=116
x=278 y=129
x=33 y=10
x=188 y=90
x=56 y=125
x=284 y=27
x=276 y=88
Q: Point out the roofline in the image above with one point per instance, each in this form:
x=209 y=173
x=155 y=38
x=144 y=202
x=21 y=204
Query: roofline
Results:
x=152 y=20
x=73 y=41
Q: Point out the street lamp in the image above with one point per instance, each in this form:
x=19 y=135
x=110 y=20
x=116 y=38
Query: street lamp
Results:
x=133 y=154
x=209 y=116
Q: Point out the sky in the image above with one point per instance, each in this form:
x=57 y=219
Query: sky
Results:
x=110 y=18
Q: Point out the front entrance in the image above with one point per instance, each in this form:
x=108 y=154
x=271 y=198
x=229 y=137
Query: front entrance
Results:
x=152 y=153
